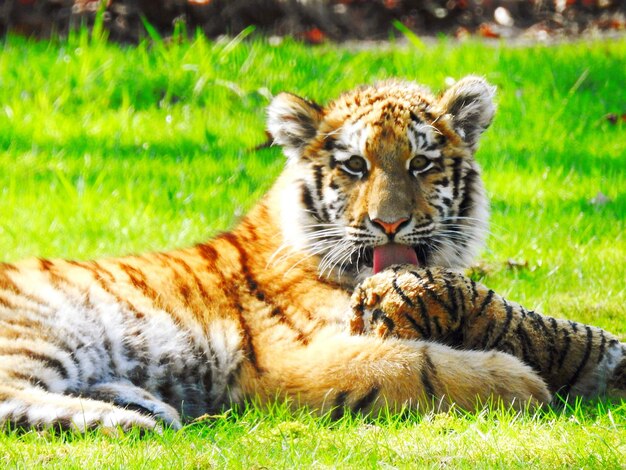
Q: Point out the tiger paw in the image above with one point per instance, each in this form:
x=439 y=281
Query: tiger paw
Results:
x=411 y=303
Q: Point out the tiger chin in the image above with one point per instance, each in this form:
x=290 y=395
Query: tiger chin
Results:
x=339 y=291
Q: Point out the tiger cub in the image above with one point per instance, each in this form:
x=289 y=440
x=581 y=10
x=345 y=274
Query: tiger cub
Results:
x=382 y=176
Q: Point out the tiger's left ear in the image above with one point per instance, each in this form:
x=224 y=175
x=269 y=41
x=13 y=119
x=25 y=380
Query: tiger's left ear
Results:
x=470 y=104
x=293 y=121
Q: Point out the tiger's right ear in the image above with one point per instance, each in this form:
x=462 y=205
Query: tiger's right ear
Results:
x=293 y=121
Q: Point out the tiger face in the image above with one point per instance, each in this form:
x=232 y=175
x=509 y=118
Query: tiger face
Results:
x=385 y=174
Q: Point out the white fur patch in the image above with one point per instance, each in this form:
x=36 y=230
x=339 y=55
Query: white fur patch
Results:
x=225 y=341
x=595 y=382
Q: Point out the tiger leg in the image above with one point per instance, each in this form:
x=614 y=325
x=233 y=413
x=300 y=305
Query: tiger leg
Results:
x=38 y=388
x=364 y=373
x=34 y=407
x=447 y=307
x=131 y=397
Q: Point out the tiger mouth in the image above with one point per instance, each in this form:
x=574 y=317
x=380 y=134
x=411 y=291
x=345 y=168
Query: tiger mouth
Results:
x=364 y=257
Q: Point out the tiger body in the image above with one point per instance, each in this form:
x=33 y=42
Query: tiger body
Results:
x=384 y=175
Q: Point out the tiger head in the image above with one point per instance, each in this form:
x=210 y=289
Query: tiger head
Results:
x=385 y=174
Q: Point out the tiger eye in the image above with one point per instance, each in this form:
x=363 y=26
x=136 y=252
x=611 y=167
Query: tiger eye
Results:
x=419 y=163
x=355 y=164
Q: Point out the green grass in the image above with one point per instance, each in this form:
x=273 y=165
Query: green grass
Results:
x=107 y=150
x=579 y=437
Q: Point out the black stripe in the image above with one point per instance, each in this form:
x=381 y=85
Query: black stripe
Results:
x=432 y=146
x=485 y=341
x=567 y=342
x=319 y=176
x=339 y=405
x=428 y=372
x=360 y=306
x=428 y=289
x=426 y=222
x=555 y=332
x=401 y=293
x=486 y=301
x=539 y=323
x=329 y=145
x=421 y=331
x=454 y=306
x=602 y=346
x=50 y=362
x=254 y=290
x=474 y=291
x=247 y=340
x=425 y=318
x=388 y=322
x=438 y=326
x=565 y=390
x=207 y=375
x=456 y=177
x=233 y=377
x=441 y=210
x=166 y=391
x=319 y=186
x=22 y=377
x=527 y=347
x=234 y=297
x=445 y=181
x=332 y=163
x=507 y=324
x=462 y=304
x=554 y=325
x=548 y=336
x=507 y=347
x=377 y=314
x=307 y=200
x=366 y=401
x=468 y=191
x=108 y=348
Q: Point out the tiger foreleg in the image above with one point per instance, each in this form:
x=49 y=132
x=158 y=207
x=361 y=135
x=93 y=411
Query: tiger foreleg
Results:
x=131 y=397
x=34 y=407
x=448 y=307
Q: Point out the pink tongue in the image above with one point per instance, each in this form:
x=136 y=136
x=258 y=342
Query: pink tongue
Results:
x=386 y=255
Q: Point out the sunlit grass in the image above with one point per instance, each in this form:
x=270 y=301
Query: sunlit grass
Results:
x=590 y=436
x=107 y=150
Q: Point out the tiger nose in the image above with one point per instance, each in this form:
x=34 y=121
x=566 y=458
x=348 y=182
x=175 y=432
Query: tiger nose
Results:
x=390 y=228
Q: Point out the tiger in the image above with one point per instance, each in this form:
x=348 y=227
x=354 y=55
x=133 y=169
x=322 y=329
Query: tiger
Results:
x=380 y=196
